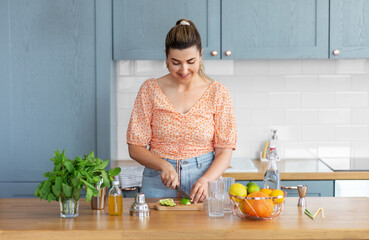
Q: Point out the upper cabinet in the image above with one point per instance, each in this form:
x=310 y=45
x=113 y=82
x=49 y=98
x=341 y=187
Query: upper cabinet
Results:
x=349 y=29
x=274 y=29
x=246 y=29
x=140 y=26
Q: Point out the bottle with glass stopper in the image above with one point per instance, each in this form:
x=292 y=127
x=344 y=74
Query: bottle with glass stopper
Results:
x=272 y=179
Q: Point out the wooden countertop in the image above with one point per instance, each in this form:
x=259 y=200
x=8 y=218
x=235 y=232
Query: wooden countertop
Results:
x=345 y=218
x=301 y=169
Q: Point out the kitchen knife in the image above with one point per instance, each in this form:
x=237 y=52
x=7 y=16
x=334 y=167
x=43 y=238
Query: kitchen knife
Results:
x=183 y=193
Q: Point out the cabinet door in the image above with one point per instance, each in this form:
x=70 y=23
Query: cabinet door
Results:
x=253 y=29
x=349 y=28
x=48 y=86
x=140 y=26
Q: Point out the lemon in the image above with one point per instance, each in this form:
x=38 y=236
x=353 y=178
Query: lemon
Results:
x=253 y=188
x=239 y=190
x=276 y=193
x=185 y=201
x=266 y=190
x=241 y=206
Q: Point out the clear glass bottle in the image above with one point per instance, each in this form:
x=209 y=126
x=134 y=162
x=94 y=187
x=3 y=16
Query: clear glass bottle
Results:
x=272 y=178
x=115 y=200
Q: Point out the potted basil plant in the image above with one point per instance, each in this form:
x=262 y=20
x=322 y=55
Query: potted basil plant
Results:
x=69 y=177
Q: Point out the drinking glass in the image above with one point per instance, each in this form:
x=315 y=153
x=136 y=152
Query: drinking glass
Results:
x=228 y=181
x=216 y=198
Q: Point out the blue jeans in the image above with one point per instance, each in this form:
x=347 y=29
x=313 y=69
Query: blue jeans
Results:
x=191 y=170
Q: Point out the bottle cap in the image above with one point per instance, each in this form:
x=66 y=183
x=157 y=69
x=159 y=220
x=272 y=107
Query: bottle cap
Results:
x=116 y=182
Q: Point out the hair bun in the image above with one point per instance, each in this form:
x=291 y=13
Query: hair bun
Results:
x=184 y=23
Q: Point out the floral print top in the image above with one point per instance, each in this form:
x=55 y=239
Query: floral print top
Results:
x=156 y=123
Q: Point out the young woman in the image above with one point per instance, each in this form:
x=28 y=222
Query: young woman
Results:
x=182 y=127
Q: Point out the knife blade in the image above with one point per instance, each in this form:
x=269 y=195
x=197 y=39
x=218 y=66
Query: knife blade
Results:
x=183 y=193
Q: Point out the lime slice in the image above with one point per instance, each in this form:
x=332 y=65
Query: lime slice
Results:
x=167 y=202
x=185 y=201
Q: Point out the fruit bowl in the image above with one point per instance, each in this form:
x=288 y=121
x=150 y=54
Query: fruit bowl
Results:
x=257 y=208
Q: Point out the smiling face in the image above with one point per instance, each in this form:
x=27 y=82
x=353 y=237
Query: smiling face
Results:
x=184 y=64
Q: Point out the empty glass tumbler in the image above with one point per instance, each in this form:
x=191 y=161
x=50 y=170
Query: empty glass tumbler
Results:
x=216 y=198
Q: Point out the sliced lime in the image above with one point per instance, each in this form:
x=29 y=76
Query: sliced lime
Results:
x=167 y=202
x=185 y=201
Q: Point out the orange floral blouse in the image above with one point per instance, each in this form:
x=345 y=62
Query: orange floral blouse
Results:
x=209 y=124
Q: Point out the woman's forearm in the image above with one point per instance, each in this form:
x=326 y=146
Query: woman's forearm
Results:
x=142 y=155
x=220 y=164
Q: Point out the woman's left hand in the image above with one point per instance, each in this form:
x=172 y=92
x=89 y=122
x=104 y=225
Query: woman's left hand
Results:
x=199 y=191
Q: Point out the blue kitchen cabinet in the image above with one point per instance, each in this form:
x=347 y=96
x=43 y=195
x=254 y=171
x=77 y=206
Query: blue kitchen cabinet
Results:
x=316 y=188
x=55 y=65
x=349 y=24
x=140 y=26
x=253 y=29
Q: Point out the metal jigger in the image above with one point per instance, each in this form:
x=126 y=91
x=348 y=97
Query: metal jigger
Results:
x=302 y=190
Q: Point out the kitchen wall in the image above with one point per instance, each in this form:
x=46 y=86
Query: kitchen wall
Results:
x=319 y=107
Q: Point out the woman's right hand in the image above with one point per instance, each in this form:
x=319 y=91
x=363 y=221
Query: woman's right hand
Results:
x=169 y=176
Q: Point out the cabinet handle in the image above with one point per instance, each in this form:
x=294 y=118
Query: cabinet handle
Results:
x=336 y=52
x=228 y=53
x=214 y=53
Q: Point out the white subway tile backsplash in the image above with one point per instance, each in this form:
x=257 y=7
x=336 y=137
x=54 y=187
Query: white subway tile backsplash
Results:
x=123 y=116
x=331 y=83
x=285 y=99
x=265 y=83
x=130 y=83
x=301 y=116
x=251 y=67
x=334 y=116
x=318 y=133
x=360 y=82
x=212 y=67
x=150 y=68
x=304 y=150
x=318 y=66
x=352 y=66
x=267 y=116
x=319 y=107
x=360 y=149
x=285 y=67
x=126 y=100
x=288 y=133
x=334 y=149
x=302 y=83
x=251 y=100
x=352 y=99
x=125 y=67
x=318 y=99
x=360 y=116
x=352 y=132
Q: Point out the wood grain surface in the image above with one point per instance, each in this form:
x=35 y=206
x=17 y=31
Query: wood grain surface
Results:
x=345 y=218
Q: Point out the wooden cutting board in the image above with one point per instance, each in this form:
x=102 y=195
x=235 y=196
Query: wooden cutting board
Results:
x=177 y=207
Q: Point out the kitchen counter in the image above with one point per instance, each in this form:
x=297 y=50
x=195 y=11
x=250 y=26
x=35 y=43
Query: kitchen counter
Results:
x=290 y=169
x=345 y=218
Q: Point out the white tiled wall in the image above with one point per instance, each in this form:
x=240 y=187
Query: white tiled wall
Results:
x=320 y=107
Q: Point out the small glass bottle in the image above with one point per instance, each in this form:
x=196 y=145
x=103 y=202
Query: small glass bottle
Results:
x=115 y=200
x=272 y=178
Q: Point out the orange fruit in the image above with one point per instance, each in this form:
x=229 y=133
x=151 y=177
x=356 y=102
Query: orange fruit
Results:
x=276 y=193
x=266 y=190
x=258 y=208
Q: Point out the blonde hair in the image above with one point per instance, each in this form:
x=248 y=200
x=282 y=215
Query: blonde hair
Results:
x=184 y=35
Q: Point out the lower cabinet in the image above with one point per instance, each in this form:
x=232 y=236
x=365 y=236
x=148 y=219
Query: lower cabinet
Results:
x=18 y=189
x=316 y=188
